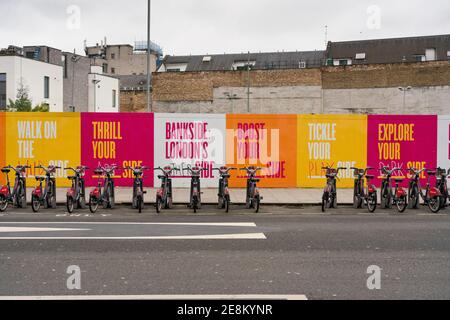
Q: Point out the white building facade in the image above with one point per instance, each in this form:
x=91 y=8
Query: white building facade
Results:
x=44 y=81
x=103 y=92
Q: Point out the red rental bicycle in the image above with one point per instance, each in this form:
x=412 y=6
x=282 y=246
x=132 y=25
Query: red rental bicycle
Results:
x=18 y=196
x=432 y=196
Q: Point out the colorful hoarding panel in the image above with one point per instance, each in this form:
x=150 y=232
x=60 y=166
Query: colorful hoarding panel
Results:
x=189 y=140
x=124 y=139
x=402 y=142
x=330 y=140
x=2 y=144
x=43 y=139
x=267 y=141
x=444 y=142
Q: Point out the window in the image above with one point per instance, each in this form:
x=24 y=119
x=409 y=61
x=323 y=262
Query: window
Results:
x=113 y=70
x=302 y=64
x=114 y=95
x=420 y=58
x=448 y=54
x=105 y=68
x=113 y=56
x=29 y=55
x=344 y=62
x=173 y=70
x=64 y=61
x=360 y=56
x=46 y=88
x=2 y=90
x=243 y=65
x=430 y=54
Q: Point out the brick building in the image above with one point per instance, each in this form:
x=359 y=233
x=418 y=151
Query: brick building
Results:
x=390 y=79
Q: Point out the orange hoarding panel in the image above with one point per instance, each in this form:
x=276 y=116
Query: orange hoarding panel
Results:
x=267 y=141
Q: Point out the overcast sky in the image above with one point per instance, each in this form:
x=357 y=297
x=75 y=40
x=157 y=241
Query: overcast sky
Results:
x=213 y=26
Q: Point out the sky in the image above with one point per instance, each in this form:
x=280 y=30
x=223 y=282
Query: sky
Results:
x=183 y=27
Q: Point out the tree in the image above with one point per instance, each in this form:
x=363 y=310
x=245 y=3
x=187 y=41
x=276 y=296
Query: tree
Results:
x=23 y=102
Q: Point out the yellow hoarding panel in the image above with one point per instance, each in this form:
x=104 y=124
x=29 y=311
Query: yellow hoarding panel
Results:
x=330 y=140
x=43 y=139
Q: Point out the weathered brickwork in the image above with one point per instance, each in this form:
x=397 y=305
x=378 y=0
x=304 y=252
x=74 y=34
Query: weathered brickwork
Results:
x=387 y=75
x=366 y=89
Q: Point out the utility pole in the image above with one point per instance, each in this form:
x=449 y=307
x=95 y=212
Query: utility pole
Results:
x=149 y=70
x=248 y=83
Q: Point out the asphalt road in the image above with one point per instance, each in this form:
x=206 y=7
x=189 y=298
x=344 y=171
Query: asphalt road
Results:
x=298 y=251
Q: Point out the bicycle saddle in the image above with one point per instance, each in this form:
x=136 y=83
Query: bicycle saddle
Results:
x=40 y=178
x=399 y=180
x=6 y=170
x=370 y=177
x=71 y=177
x=431 y=173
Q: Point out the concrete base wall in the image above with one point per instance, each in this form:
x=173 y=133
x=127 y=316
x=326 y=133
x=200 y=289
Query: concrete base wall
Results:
x=312 y=99
x=421 y=100
x=267 y=100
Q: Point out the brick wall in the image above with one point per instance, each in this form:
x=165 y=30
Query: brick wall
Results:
x=387 y=75
x=364 y=89
x=199 y=86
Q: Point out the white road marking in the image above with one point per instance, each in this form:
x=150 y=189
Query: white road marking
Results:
x=242 y=236
x=162 y=297
x=206 y=224
x=25 y=229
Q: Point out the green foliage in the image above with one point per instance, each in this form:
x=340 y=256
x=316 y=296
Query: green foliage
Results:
x=24 y=104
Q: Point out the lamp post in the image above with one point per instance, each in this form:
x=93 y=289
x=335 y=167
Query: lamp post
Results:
x=149 y=71
x=404 y=90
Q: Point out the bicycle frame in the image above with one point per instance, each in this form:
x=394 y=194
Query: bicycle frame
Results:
x=195 y=193
x=19 y=181
x=164 y=193
x=224 y=192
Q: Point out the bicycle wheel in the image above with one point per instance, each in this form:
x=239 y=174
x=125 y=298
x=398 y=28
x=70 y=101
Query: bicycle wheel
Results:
x=227 y=205
x=333 y=202
x=21 y=197
x=325 y=199
x=386 y=200
x=139 y=203
x=93 y=204
x=372 y=202
x=111 y=200
x=435 y=204
x=3 y=203
x=195 y=204
x=70 y=205
x=158 y=205
x=357 y=200
x=401 y=204
x=221 y=202
x=413 y=197
x=35 y=204
x=257 y=203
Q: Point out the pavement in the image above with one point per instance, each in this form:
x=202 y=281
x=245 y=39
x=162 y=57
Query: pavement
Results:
x=295 y=196
x=286 y=251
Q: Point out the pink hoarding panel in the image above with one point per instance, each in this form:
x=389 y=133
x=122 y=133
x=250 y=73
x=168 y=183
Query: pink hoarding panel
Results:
x=124 y=139
x=402 y=141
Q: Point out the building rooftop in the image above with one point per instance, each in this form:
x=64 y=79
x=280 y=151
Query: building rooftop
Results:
x=391 y=50
x=260 y=61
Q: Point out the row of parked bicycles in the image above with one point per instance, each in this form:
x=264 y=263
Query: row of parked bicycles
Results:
x=44 y=194
x=435 y=197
